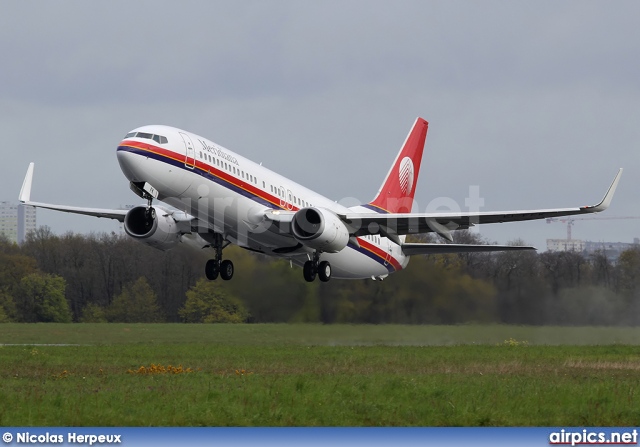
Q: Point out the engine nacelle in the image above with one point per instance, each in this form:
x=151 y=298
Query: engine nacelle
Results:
x=320 y=229
x=148 y=227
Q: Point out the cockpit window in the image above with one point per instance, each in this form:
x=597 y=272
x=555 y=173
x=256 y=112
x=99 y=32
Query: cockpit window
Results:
x=157 y=138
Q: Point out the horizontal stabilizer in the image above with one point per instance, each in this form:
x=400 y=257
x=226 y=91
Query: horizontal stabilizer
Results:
x=432 y=249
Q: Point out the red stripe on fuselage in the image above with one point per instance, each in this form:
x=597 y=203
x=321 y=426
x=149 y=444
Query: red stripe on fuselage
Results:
x=379 y=252
x=209 y=169
x=213 y=170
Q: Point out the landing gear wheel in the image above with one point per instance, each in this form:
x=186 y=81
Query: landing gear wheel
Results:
x=217 y=266
x=324 y=271
x=226 y=270
x=309 y=271
x=212 y=270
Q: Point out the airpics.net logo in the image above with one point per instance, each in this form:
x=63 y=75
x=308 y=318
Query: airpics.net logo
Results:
x=405 y=175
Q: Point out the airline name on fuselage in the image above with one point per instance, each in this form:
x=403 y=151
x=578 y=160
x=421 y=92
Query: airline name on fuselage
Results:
x=220 y=153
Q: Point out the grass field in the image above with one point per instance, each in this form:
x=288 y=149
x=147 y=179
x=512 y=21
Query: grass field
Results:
x=302 y=375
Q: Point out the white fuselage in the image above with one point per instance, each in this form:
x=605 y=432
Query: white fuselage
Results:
x=230 y=193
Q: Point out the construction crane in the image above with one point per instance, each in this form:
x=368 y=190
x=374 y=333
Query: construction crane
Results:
x=570 y=220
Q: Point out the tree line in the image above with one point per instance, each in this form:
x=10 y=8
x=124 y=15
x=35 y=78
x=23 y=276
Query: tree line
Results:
x=111 y=278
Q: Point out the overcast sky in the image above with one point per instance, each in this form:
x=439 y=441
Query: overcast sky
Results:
x=535 y=103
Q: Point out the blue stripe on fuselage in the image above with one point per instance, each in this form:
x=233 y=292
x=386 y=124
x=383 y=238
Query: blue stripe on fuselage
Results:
x=226 y=184
x=209 y=176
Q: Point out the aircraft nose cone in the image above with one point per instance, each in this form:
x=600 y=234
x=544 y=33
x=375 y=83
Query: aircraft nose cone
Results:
x=129 y=164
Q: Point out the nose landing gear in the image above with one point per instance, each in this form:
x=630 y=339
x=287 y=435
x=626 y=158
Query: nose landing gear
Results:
x=150 y=213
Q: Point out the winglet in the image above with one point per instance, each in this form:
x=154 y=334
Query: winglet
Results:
x=606 y=201
x=25 y=192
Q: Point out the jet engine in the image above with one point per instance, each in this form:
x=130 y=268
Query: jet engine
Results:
x=320 y=229
x=146 y=226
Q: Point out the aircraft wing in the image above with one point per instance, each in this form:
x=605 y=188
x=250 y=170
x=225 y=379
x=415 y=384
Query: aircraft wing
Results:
x=432 y=249
x=25 y=198
x=394 y=225
x=95 y=212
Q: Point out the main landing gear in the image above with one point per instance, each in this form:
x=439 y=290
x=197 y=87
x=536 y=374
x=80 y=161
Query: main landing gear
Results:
x=217 y=266
x=314 y=267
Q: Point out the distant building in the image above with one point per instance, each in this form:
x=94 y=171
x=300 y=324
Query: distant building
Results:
x=16 y=221
x=611 y=249
x=565 y=245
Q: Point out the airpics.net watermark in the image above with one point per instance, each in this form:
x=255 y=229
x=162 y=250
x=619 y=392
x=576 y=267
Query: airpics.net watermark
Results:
x=69 y=438
x=208 y=208
x=592 y=437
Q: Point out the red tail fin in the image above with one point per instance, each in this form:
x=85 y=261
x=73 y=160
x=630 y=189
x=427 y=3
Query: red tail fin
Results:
x=397 y=190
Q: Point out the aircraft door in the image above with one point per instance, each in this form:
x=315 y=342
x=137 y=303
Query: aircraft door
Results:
x=290 y=200
x=282 y=194
x=387 y=258
x=190 y=160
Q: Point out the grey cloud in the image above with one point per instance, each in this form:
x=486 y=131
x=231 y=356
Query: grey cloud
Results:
x=535 y=102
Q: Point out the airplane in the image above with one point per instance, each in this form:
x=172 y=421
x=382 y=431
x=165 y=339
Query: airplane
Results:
x=216 y=197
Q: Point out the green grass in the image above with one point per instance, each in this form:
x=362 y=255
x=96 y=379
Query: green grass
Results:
x=302 y=375
x=311 y=334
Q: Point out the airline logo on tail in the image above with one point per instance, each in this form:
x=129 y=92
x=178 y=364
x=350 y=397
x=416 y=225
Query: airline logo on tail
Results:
x=397 y=190
x=406 y=176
